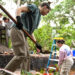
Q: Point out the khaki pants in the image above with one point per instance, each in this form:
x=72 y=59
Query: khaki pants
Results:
x=66 y=66
x=20 y=47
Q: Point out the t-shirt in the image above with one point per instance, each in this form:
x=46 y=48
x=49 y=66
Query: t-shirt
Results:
x=30 y=20
x=64 y=52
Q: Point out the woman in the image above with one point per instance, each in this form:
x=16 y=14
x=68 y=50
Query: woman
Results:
x=65 y=58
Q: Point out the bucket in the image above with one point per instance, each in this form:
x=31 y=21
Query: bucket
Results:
x=73 y=53
x=47 y=74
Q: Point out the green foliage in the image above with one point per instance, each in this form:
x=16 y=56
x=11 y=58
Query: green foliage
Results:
x=67 y=33
x=56 y=73
x=58 y=16
x=63 y=20
x=37 y=74
x=1 y=2
x=43 y=36
x=31 y=45
x=25 y=73
x=51 y=15
x=37 y=2
x=42 y=71
x=9 y=43
x=69 y=3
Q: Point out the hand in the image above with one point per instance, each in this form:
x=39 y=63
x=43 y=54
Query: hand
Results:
x=19 y=24
x=39 y=48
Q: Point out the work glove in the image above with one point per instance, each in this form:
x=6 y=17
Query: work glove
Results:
x=39 y=47
x=19 y=24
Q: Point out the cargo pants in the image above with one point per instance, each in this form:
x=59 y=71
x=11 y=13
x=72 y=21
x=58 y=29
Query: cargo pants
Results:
x=20 y=47
x=65 y=67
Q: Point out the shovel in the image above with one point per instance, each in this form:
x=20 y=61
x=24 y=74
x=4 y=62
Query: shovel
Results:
x=6 y=12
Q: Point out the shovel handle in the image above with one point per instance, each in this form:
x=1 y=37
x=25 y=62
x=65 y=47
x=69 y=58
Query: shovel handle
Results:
x=6 y=12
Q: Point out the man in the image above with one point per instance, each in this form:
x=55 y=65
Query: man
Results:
x=8 y=25
x=27 y=17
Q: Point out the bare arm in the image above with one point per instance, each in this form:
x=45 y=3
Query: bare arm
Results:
x=21 y=9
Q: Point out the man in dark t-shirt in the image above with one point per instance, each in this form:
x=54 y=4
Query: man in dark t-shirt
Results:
x=28 y=17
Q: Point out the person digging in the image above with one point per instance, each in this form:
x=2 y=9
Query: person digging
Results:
x=28 y=17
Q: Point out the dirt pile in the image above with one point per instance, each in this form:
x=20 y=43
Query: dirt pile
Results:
x=5 y=50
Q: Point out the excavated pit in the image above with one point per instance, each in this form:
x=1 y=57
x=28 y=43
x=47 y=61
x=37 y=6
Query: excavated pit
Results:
x=37 y=61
